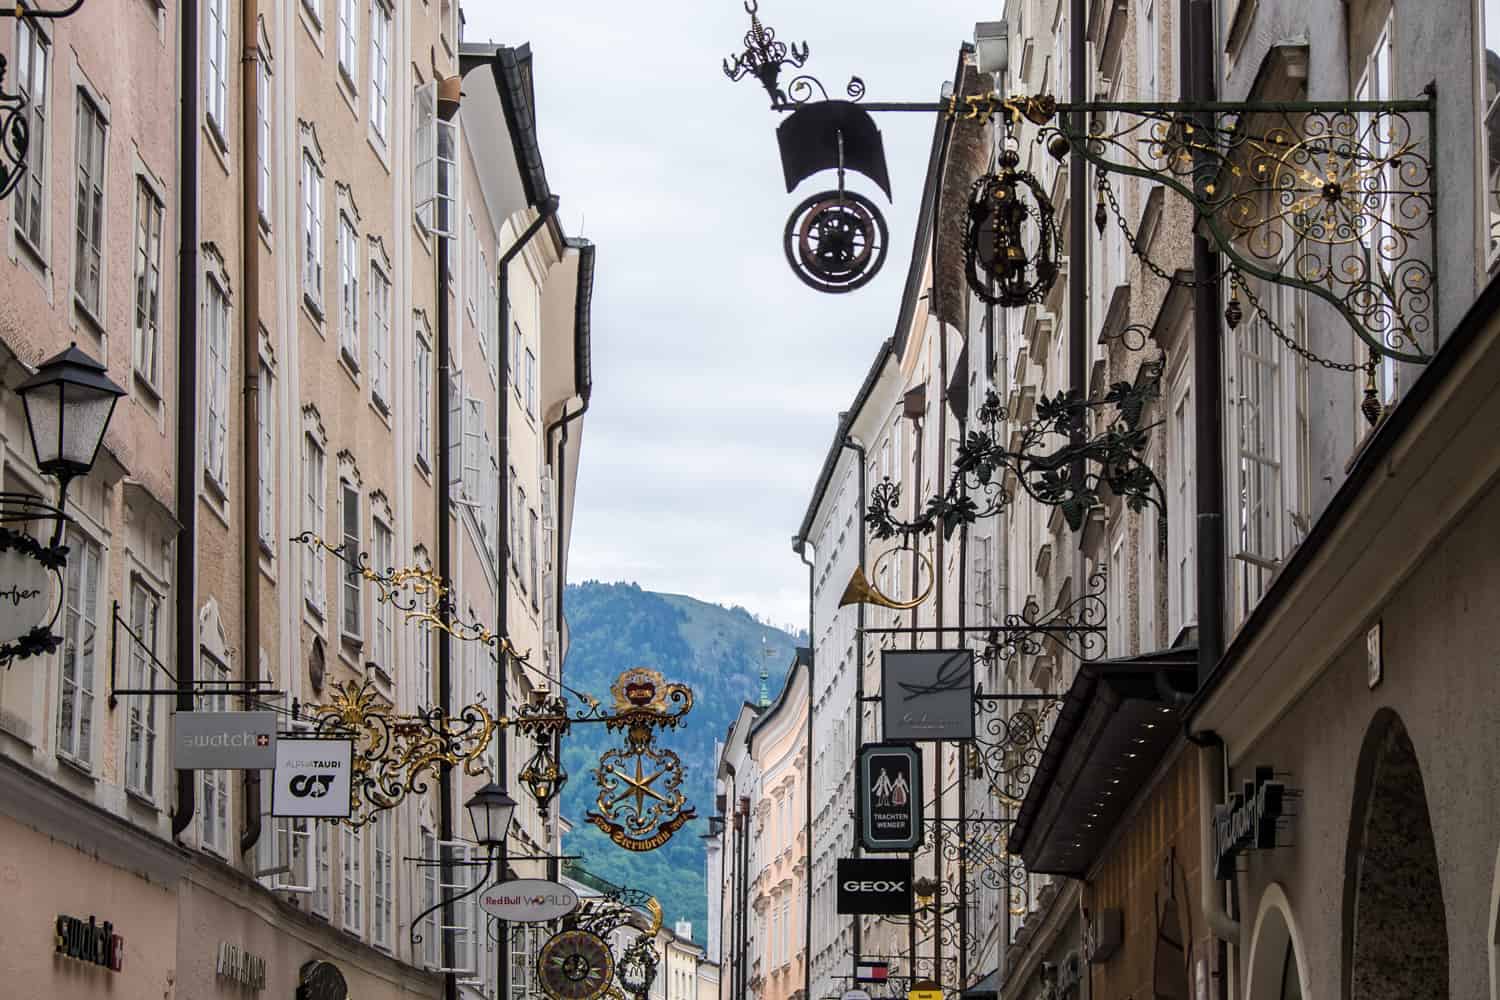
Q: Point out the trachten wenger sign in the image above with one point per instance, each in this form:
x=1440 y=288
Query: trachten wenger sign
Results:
x=528 y=900
x=889 y=780
x=313 y=778
x=235 y=741
x=1246 y=821
x=874 y=886
x=25 y=594
x=927 y=694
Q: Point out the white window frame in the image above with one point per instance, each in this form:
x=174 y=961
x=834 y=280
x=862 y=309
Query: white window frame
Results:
x=348 y=42
x=322 y=895
x=380 y=338
x=475 y=443
x=533 y=540
x=1487 y=143
x=431 y=956
x=383 y=555
x=91 y=165
x=435 y=152
x=150 y=215
x=380 y=69
x=422 y=398
x=216 y=75
x=314 y=520
x=144 y=611
x=265 y=407
x=1182 y=584
x=455 y=426
x=423 y=665
x=312 y=233
x=464 y=930
x=79 y=653
x=348 y=252
x=1376 y=82
x=264 y=139
x=530 y=383
x=31 y=65
x=351 y=582
x=216 y=388
x=352 y=857
x=214 y=814
x=382 y=881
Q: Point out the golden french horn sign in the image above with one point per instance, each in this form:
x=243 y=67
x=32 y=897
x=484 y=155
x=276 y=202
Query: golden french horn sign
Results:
x=861 y=591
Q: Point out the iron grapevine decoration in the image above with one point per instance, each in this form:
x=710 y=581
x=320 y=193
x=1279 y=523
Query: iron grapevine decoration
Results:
x=640 y=803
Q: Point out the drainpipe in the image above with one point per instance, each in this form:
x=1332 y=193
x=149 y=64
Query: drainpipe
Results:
x=1210 y=793
x=187 y=391
x=1078 y=250
x=807 y=781
x=449 y=94
x=250 y=364
x=856 y=446
x=561 y=424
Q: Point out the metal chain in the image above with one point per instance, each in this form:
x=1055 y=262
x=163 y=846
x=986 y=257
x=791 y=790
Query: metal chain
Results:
x=1238 y=281
x=1235 y=278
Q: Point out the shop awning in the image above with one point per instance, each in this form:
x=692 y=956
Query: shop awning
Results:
x=1117 y=722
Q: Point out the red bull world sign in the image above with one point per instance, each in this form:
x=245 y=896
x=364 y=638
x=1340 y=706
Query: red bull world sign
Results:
x=528 y=900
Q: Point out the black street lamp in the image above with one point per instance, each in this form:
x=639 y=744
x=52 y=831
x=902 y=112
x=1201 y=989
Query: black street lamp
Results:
x=68 y=403
x=490 y=812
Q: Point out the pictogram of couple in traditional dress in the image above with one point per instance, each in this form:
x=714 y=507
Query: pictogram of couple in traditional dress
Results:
x=889 y=792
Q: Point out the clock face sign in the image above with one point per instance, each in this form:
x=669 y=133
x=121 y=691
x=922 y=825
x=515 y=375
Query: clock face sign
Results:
x=575 y=965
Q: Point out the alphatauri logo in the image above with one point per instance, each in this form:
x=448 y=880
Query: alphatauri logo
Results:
x=878 y=886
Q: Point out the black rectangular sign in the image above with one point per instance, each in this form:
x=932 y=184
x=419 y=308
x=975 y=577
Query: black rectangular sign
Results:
x=875 y=886
x=927 y=694
x=889 y=784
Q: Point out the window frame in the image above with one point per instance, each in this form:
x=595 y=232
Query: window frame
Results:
x=383 y=627
x=265 y=411
x=140 y=716
x=380 y=338
x=213 y=783
x=347 y=44
x=90 y=205
x=348 y=259
x=351 y=582
x=312 y=234
x=422 y=399
x=315 y=509
x=382 y=903
x=352 y=884
x=216 y=75
x=76 y=745
x=31 y=217
x=382 y=23
x=150 y=220
x=216 y=361
x=265 y=136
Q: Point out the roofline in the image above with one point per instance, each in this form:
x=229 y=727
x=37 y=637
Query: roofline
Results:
x=830 y=463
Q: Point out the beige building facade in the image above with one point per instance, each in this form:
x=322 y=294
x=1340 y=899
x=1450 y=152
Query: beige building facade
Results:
x=314 y=242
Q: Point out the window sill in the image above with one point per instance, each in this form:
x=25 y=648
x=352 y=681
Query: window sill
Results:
x=380 y=147
x=314 y=309
x=216 y=143
x=33 y=251
x=140 y=798
x=350 y=363
x=77 y=766
x=145 y=385
x=423 y=468
x=89 y=317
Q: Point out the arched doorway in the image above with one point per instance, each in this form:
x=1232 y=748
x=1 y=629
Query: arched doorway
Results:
x=1395 y=933
x=1275 y=969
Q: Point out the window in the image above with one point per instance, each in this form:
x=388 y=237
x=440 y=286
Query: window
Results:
x=384 y=557
x=1375 y=82
x=422 y=400
x=354 y=878
x=514 y=361
x=263 y=140
x=349 y=40
x=471 y=265
x=424 y=666
x=322 y=902
x=314 y=514
x=380 y=69
x=348 y=241
x=475 y=444
x=88 y=208
x=1150 y=48
x=435 y=146
x=530 y=383
x=312 y=233
x=216 y=79
x=216 y=425
x=455 y=425
x=519 y=555
x=380 y=338
x=1116 y=636
x=382 y=881
x=213 y=819
x=146 y=345
x=1181 y=582
x=293 y=846
x=351 y=613
x=531 y=540
x=455 y=877
x=80 y=651
x=429 y=872
x=140 y=726
x=1489 y=124
x=265 y=406
x=31 y=57
x=314 y=10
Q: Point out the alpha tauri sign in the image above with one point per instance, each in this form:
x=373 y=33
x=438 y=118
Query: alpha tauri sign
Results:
x=889 y=781
x=314 y=778
x=927 y=694
x=1247 y=821
x=528 y=900
x=25 y=594
x=875 y=886
x=223 y=740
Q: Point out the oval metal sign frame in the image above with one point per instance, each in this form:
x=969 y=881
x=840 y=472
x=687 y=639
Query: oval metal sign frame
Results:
x=27 y=594
x=528 y=900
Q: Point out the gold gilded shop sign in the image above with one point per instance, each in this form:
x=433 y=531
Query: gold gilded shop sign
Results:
x=239 y=966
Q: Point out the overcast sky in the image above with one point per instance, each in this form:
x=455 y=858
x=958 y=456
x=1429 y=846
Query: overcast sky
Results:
x=718 y=376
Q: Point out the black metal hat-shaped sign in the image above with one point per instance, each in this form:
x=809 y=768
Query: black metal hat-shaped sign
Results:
x=835 y=240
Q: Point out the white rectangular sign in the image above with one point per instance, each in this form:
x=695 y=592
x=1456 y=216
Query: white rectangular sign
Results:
x=313 y=778
x=230 y=740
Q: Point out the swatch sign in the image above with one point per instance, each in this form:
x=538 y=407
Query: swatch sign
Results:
x=528 y=900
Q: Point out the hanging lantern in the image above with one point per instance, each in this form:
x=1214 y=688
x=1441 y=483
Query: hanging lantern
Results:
x=1011 y=248
x=543 y=775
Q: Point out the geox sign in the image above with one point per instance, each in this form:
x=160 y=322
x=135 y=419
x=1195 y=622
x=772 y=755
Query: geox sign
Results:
x=1246 y=822
x=874 y=886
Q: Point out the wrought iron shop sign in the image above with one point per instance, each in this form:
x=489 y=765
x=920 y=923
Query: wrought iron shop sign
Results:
x=228 y=740
x=890 y=796
x=875 y=886
x=1247 y=821
x=314 y=778
x=640 y=803
x=90 y=941
x=528 y=900
x=927 y=694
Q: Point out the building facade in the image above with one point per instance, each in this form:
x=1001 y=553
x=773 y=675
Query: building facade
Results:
x=348 y=313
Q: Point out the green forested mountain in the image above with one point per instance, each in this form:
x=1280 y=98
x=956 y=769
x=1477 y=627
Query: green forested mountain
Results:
x=719 y=652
